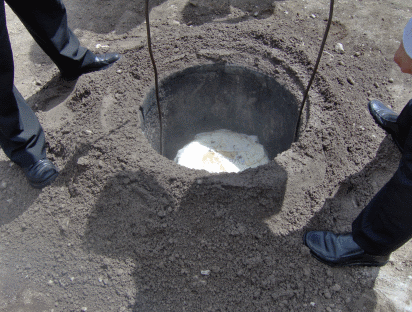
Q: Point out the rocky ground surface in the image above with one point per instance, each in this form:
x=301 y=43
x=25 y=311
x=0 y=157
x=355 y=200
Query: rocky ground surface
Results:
x=125 y=229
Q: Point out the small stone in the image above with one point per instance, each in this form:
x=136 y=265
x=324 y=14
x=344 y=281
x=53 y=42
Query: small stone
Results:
x=336 y=287
x=3 y=184
x=177 y=23
x=83 y=161
x=199 y=181
x=376 y=84
x=88 y=132
x=327 y=295
x=313 y=16
x=341 y=63
x=313 y=304
x=119 y=71
x=10 y=200
x=101 y=46
x=64 y=224
x=368 y=93
x=357 y=54
x=256 y=14
x=350 y=80
x=195 y=3
x=205 y=272
x=339 y=48
x=161 y=214
x=390 y=80
x=84 y=309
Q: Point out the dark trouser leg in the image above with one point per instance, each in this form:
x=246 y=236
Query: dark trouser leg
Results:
x=404 y=122
x=46 y=20
x=21 y=135
x=385 y=223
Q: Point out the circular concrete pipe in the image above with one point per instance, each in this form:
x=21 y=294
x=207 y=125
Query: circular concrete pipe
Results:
x=205 y=98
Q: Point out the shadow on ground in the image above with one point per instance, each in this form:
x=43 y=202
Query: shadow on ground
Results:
x=121 y=16
x=353 y=194
x=213 y=250
x=53 y=93
x=198 y=12
x=99 y=17
x=15 y=198
x=214 y=236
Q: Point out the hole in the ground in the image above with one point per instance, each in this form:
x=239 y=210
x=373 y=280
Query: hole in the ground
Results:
x=210 y=98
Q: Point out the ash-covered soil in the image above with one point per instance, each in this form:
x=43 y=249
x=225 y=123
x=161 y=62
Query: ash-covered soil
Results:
x=125 y=229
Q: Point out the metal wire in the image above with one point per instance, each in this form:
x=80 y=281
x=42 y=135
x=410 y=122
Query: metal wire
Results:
x=322 y=47
x=149 y=43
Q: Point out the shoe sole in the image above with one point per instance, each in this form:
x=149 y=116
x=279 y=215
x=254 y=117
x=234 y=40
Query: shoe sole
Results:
x=352 y=263
x=44 y=183
x=75 y=77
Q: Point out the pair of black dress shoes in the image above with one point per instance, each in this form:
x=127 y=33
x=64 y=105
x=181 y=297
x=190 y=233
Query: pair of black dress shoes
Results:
x=44 y=172
x=340 y=249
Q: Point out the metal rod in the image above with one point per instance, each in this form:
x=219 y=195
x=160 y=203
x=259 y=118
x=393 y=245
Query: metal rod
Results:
x=322 y=47
x=149 y=43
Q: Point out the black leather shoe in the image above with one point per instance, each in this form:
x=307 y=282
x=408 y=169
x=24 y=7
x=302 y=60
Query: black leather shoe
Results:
x=386 y=119
x=340 y=250
x=101 y=61
x=41 y=173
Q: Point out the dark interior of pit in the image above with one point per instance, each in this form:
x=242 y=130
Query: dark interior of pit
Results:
x=219 y=96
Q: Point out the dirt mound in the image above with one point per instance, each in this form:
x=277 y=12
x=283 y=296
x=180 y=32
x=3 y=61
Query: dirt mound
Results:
x=125 y=229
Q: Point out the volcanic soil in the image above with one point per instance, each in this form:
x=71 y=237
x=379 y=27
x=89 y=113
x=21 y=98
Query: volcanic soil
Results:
x=126 y=229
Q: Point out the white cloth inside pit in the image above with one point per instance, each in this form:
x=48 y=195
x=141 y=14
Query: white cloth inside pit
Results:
x=222 y=151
